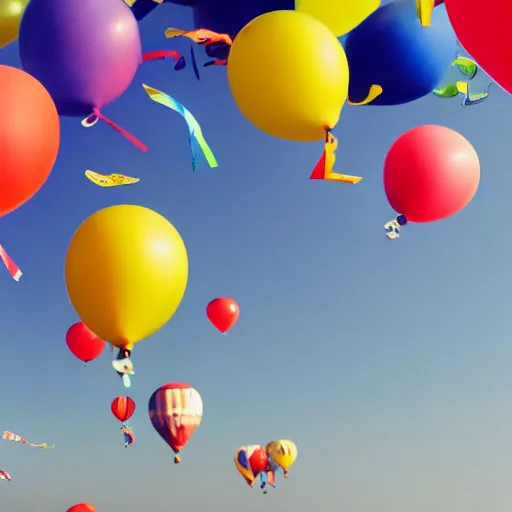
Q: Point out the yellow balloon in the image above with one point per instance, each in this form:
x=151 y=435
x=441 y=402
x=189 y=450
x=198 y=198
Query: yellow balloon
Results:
x=11 y=12
x=341 y=16
x=283 y=453
x=126 y=272
x=288 y=75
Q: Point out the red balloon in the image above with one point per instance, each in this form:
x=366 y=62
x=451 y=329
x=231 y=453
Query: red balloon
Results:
x=122 y=408
x=258 y=460
x=29 y=137
x=430 y=172
x=484 y=32
x=82 y=507
x=83 y=343
x=223 y=313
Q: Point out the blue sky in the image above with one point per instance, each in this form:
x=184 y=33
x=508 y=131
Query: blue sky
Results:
x=387 y=363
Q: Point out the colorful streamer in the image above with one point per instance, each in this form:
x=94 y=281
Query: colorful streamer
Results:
x=197 y=140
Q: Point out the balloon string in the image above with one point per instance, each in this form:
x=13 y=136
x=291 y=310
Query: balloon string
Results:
x=12 y=268
x=127 y=135
x=179 y=60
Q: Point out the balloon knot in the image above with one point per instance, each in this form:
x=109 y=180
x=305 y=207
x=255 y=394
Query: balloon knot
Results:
x=394 y=227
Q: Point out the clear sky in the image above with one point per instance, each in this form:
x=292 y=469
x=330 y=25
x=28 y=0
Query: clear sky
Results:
x=387 y=363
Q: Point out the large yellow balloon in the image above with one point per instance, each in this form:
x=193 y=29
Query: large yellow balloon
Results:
x=341 y=16
x=11 y=12
x=126 y=272
x=289 y=75
x=284 y=453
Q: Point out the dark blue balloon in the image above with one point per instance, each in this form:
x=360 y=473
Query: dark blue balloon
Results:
x=230 y=16
x=392 y=49
x=223 y=16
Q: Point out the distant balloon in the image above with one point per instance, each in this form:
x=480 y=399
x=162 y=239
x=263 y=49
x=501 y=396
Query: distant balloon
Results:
x=485 y=35
x=11 y=12
x=223 y=313
x=83 y=343
x=126 y=272
x=391 y=49
x=82 y=507
x=175 y=411
x=430 y=172
x=85 y=53
x=250 y=461
x=122 y=408
x=284 y=453
x=30 y=135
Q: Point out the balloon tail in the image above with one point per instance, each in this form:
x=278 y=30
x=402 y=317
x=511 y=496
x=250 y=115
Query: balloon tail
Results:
x=424 y=10
x=393 y=227
x=179 y=60
x=127 y=135
x=85 y=364
x=11 y=267
x=324 y=169
x=177 y=459
x=215 y=62
x=194 y=63
x=127 y=382
x=374 y=92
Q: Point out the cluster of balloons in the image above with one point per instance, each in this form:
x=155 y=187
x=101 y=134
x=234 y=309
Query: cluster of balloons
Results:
x=255 y=462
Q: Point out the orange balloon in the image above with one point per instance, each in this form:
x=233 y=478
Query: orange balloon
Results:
x=29 y=137
x=82 y=507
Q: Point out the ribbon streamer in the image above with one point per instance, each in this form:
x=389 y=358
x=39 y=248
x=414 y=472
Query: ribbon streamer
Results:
x=196 y=138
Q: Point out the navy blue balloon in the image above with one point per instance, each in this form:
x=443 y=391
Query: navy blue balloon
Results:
x=223 y=16
x=391 y=49
x=230 y=16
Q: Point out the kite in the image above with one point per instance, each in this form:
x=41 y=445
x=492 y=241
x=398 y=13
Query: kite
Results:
x=129 y=436
x=9 y=436
x=324 y=168
x=110 y=180
x=212 y=41
x=4 y=475
x=196 y=138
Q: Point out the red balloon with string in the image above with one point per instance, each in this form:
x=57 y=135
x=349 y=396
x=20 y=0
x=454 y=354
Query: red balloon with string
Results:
x=123 y=408
x=223 y=313
x=83 y=343
x=29 y=143
x=431 y=172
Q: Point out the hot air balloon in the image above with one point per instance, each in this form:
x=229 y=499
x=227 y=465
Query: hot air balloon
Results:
x=175 y=410
x=83 y=343
x=283 y=453
x=122 y=408
x=250 y=461
x=223 y=313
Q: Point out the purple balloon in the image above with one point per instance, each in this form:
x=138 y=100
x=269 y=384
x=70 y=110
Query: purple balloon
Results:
x=85 y=52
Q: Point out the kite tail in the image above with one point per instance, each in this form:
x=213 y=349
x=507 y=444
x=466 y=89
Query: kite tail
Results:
x=127 y=135
x=12 y=268
x=179 y=60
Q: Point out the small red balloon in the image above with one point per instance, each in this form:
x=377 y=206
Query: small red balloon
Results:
x=430 y=172
x=29 y=135
x=223 y=313
x=83 y=343
x=485 y=35
x=122 y=408
x=82 y=507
